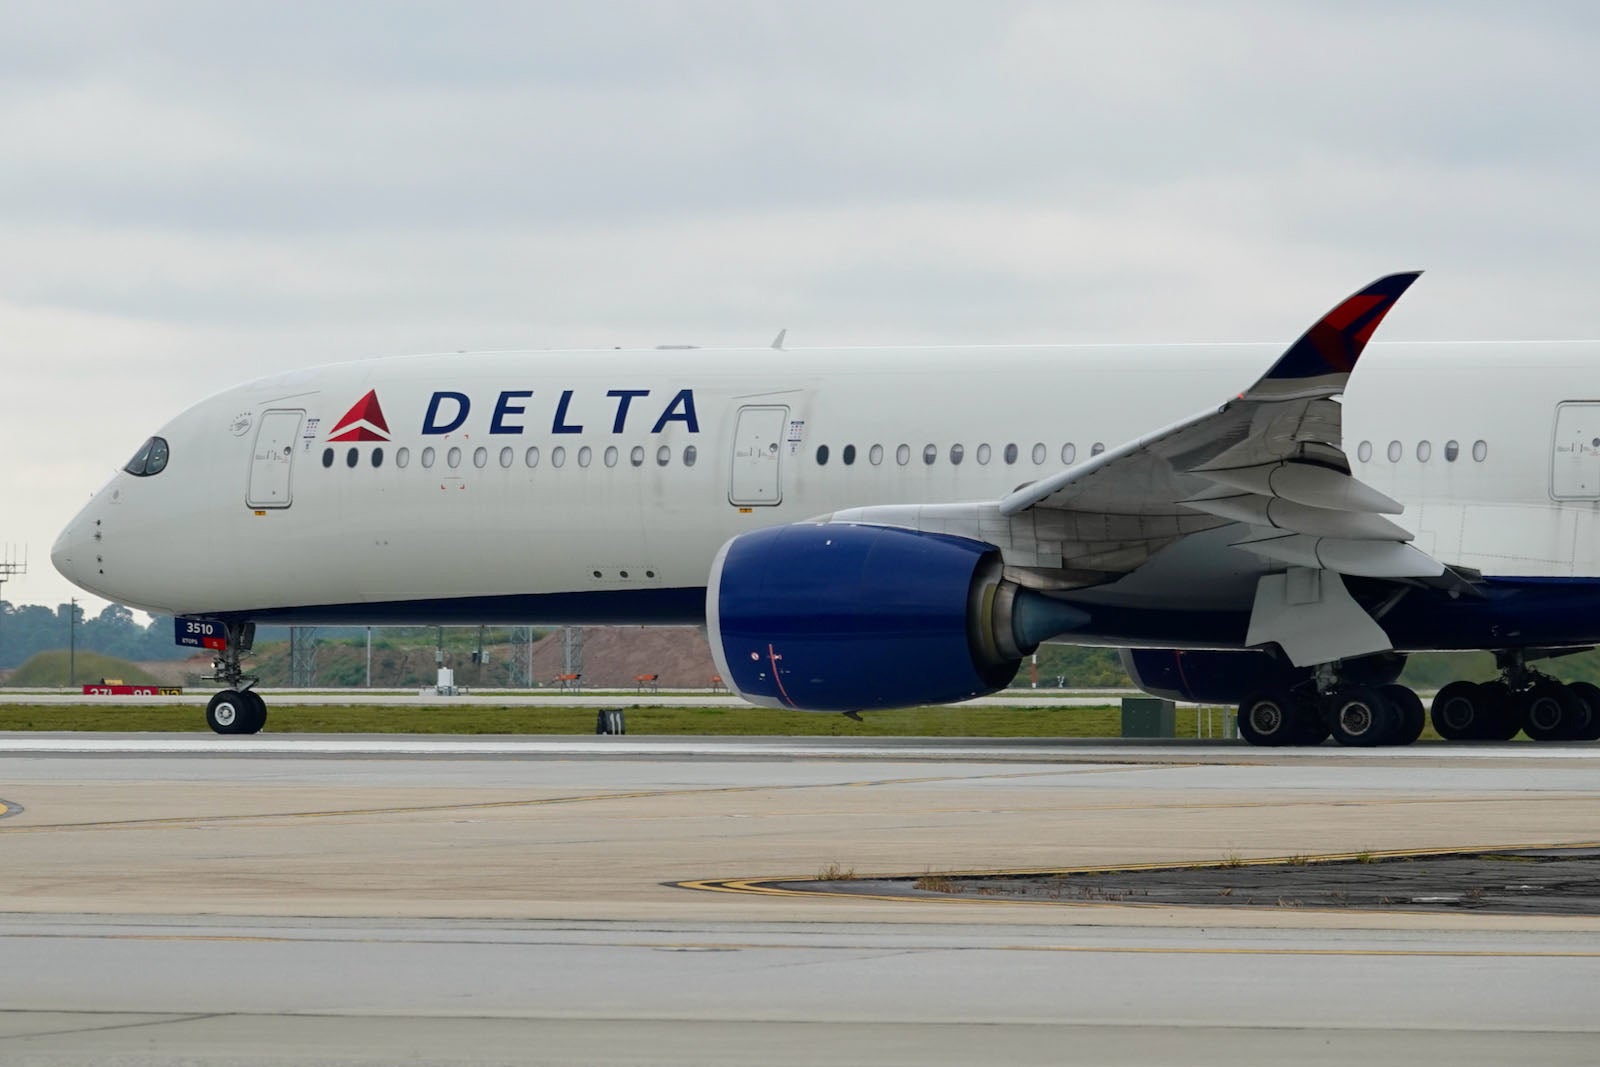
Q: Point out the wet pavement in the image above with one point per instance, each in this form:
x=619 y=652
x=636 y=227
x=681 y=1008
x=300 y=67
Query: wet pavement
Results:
x=1532 y=881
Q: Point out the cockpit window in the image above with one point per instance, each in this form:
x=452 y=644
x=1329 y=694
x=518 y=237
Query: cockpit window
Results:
x=150 y=459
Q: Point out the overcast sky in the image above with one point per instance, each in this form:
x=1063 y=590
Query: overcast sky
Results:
x=196 y=194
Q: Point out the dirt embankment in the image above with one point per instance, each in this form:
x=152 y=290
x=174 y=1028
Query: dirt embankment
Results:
x=613 y=656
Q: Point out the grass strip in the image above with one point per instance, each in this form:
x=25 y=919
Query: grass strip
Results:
x=480 y=717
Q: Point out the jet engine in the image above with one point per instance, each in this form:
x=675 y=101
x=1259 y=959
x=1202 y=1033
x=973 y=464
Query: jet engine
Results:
x=846 y=617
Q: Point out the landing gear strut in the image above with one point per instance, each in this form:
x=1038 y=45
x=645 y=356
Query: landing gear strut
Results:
x=238 y=709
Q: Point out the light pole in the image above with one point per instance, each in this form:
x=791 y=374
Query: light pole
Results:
x=10 y=568
x=72 y=641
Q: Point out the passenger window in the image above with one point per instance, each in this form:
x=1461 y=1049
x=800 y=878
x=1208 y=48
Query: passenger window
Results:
x=352 y=457
x=480 y=457
x=327 y=458
x=585 y=454
x=377 y=457
x=1424 y=451
x=1395 y=451
x=636 y=457
x=531 y=457
x=611 y=455
x=1452 y=449
x=1069 y=452
x=663 y=456
x=983 y=454
x=1039 y=453
x=558 y=456
x=1364 y=451
x=690 y=454
x=957 y=454
x=929 y=454
x=427 y=456
x=1480 y=450
x=1096 y=448
x=453 y=458
x=822 y=455
x=1011 y=454
x=507 y=456
x=849 y=455
x=875 y=455
x=902 y=455
x=402 y=458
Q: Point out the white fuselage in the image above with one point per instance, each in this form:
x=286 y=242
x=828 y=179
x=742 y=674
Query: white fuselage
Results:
x=234 y=525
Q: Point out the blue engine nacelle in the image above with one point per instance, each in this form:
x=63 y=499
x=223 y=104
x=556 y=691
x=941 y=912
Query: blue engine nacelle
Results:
x=1222 y=676
x=844 y=617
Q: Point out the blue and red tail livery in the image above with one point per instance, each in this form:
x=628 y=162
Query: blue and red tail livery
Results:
x=1335 y=341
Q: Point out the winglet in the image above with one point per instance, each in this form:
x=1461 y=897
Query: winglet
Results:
x=1335 y=341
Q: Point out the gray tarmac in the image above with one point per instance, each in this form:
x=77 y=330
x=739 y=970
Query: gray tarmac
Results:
x=522 y=901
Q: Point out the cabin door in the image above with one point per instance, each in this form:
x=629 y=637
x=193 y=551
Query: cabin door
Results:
x=272 y=460
x=758 y=457
x=1575 y=462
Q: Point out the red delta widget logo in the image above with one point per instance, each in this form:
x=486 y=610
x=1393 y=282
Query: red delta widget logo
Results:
x=363 y=422
x=449 y=411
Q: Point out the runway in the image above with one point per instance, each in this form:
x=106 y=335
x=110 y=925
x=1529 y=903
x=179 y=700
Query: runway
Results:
x=363 y=900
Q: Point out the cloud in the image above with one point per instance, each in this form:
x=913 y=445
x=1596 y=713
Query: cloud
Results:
x=196 y=194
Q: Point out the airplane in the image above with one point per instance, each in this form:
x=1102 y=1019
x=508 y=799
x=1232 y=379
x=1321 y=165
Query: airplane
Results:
x=867 y=528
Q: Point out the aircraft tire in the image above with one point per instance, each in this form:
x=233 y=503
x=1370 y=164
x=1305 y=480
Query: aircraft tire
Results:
x=1360 y=717
x=1551 y=712
x=228 y=711
x=1313 y=728
x=1590 y=695
x=257 y=717
x=1457 y=711
x=1269 y=720
x=1500 y=719
x=1413 y=716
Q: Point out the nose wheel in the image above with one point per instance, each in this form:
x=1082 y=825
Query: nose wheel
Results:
x=238 y=709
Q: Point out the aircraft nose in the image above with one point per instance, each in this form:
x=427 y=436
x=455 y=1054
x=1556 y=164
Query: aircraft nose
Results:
x=61 y=551
x=71 y=552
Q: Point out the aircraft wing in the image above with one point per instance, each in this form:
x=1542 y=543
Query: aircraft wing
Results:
x=1270 y=460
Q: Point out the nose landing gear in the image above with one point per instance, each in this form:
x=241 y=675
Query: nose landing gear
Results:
x=238 y=709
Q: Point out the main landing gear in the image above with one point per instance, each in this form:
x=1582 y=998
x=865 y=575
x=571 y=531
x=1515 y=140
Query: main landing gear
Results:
x=1369 y=715
x=1520 y=699
x=238 y=709
x=1363 y=716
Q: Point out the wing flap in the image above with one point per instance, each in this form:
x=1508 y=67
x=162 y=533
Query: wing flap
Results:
x=1310 y=484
